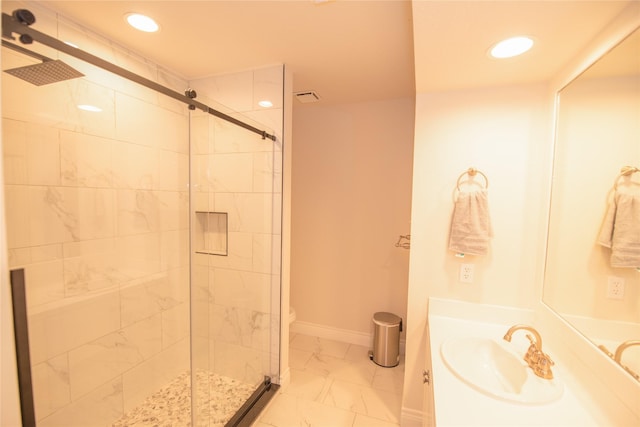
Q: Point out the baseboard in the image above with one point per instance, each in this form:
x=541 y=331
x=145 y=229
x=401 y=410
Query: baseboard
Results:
x=336 y=334
x=411 y=418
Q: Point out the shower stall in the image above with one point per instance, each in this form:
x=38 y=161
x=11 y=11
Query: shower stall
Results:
x=146 y=225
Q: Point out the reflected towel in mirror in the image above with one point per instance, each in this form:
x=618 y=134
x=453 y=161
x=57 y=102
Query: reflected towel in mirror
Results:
x=621 y=230
x=470 y=224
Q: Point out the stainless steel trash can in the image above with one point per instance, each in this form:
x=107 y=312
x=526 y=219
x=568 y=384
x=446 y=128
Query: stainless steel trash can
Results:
x=386 y=339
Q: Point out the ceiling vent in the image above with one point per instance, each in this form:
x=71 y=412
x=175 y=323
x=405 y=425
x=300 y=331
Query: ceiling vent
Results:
x=307 y=97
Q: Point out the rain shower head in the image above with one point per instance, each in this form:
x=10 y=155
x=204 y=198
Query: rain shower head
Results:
x=45 y=73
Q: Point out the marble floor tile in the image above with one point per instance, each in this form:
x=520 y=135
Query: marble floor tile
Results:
x=360 y=372
x=364 y=421
x=289 y=411
x=389 y=379
x=357 y=353
x=320 y=346
x=308 y=385
x=298 y=358
x=364 y=400
x=335 y=385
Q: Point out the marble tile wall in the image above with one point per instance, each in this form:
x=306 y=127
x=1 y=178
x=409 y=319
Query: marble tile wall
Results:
x=98 y=216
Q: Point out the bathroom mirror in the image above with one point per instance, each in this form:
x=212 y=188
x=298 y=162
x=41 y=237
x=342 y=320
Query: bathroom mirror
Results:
x=597 y=134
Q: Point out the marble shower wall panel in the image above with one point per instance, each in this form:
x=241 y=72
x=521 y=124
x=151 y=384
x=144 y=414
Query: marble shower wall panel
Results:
x=248 y=212
x=98 y=216
x=144 y=129
x=58 y=330
x=56 y=392
x=156 y=372
x=86 y=160
x=242 y=290
x=152 y=296
x=104 y=403
x=111 y=355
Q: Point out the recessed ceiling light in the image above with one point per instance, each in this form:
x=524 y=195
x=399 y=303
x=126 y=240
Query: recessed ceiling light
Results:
x=71 y=44
x=265 y=103
x=91 y=108
x=511 y=47
x=142 y=22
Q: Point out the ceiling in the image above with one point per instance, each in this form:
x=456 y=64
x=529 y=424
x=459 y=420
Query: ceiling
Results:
x=357 y=50
x=560 y=29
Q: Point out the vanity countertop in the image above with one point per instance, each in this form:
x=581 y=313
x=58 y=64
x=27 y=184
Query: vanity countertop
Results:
x=457 y=404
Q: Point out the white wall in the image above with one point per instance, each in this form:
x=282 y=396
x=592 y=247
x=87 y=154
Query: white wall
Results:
x=505 y=133
x=351 y=201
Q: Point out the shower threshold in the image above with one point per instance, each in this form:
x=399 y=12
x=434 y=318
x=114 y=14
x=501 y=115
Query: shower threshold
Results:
x=254 y=405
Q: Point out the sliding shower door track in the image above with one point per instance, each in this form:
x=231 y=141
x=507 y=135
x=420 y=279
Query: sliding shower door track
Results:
x=16 y=24
x=248 y=412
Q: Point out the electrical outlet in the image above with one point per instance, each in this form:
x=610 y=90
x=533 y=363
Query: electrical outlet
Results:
x=466 y=273
x=615 y=287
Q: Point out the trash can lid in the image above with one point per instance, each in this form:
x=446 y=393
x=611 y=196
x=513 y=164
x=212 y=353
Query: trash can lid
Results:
x=386 y=319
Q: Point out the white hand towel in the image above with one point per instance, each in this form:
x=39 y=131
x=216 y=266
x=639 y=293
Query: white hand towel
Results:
x=621 y=230
x=470 y=224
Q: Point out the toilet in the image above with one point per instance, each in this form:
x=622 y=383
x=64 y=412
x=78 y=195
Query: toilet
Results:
x=292 y=315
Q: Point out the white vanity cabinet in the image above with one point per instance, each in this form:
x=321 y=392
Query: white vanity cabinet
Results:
x=456 y=403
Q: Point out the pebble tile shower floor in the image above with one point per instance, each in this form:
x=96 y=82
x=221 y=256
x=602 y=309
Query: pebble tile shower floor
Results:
x=171 y=406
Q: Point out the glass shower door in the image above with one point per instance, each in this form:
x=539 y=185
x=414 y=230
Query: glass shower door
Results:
x=235 y=266
x=97 y=216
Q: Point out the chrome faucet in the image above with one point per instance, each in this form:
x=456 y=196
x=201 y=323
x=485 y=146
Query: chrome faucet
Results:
x=537 y=360
x=618 y=356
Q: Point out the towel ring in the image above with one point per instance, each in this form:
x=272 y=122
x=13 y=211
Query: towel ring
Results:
x=472 y=172
x=625 y=171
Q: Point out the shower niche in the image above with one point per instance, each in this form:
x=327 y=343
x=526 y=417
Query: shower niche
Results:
x=211 y=233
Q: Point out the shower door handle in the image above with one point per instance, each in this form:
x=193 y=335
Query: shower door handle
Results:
x=21 y=332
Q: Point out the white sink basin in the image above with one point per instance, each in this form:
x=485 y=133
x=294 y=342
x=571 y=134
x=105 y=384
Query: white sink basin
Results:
x=493 y=368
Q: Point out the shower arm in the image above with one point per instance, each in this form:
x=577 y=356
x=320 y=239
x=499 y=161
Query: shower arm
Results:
x=17 y=48
x=11 y=25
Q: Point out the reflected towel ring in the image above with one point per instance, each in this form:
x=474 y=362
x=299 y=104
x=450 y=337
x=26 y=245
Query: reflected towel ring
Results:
x=625 y=171
x=472 y=172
